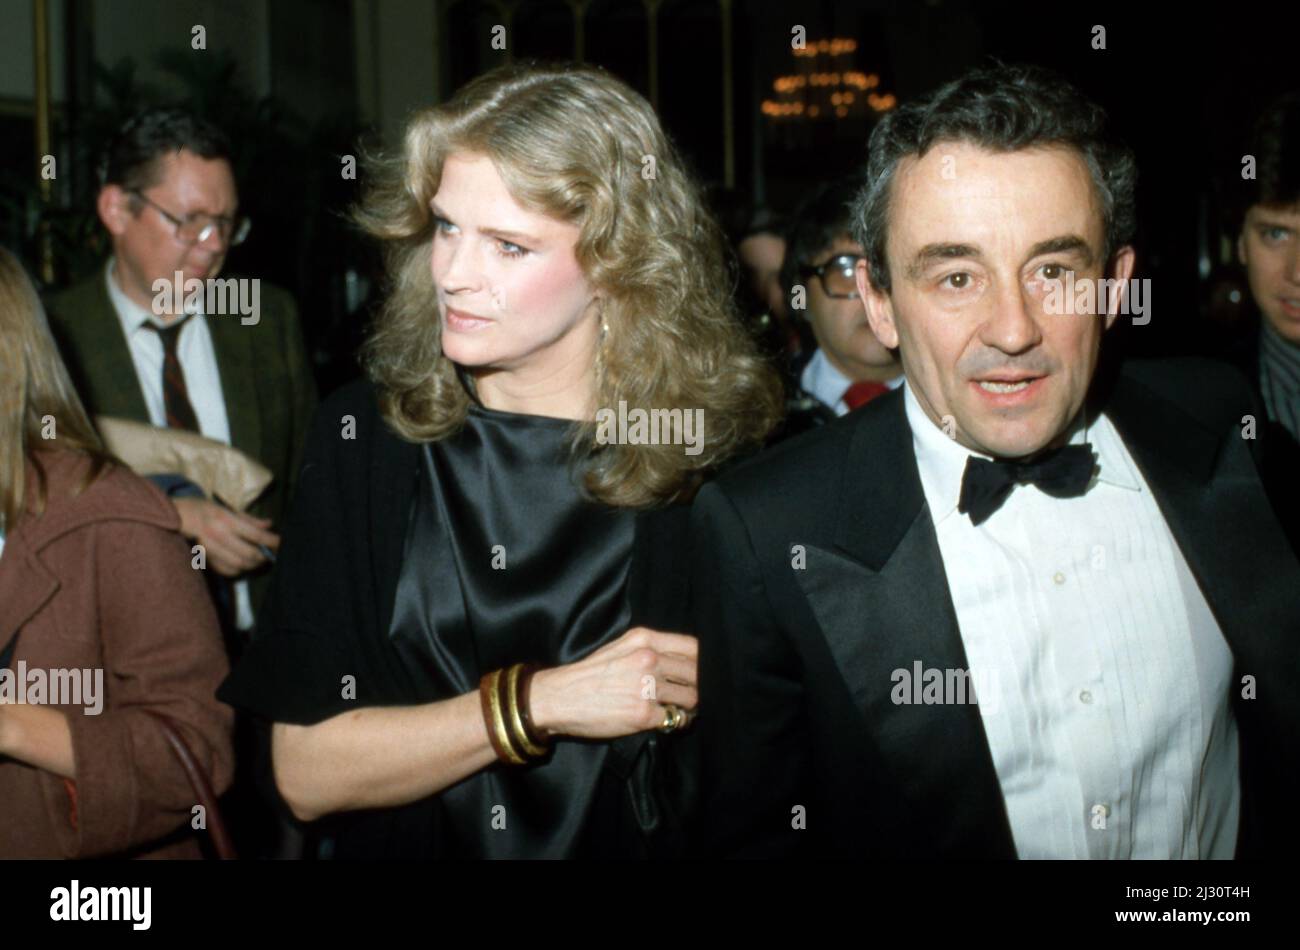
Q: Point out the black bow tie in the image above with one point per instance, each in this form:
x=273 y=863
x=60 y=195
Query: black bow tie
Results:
x=1061 y=473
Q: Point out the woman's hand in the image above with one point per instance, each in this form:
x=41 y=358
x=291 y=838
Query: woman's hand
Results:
x=619 y=690
x=385 y=756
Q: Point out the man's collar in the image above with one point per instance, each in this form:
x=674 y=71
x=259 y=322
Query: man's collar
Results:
x=130 y=313
x=941 y=460
x=821 y=379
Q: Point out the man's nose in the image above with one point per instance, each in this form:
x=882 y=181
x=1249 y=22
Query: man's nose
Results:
x=1011 y=326
x=214 y=240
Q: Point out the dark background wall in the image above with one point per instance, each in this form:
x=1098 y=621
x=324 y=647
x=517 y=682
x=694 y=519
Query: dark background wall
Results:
x=300 y=83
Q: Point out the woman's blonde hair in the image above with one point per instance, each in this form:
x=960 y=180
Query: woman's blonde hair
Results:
x=583 y=147
x=39 y=408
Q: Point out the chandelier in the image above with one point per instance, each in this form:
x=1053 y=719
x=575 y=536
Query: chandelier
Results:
x=826 y=86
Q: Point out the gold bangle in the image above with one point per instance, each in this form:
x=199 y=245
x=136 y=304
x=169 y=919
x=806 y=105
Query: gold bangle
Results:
x=511 y=695
x=538 y=736
x=498 y=734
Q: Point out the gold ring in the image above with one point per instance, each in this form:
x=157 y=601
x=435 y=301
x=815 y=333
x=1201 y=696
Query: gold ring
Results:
x=672 y=718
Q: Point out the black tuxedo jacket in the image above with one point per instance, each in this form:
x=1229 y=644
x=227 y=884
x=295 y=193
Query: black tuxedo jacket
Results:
x=1280 y=461
x=797 y=726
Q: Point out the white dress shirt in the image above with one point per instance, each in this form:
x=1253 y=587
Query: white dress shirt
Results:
x=1112 y=731
x=827 y=384
x=198 y=361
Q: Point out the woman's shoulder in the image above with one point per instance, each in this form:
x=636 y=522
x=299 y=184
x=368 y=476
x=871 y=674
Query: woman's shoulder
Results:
x=353 y=413
x=349 y=430
x=76 y=496
x=360 y=395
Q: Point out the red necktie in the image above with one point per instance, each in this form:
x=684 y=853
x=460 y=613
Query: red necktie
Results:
x=176 y=398
x=861 y=393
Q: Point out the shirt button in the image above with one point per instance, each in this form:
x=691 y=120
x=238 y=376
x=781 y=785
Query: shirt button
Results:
x=1085 y=696
x=1058 y=577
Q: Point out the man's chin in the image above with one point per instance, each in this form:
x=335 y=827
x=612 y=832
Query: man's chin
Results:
x=1288 y=328
x=202 y=273
x=1012 y=442
x=186 y=277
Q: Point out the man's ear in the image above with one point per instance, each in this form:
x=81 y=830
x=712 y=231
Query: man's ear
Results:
x=1241 y=247
x=1121 y=270
x=880 y=309
x=114 y=207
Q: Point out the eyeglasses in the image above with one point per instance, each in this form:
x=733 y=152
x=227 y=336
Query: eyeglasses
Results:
x=197 y=228
x=838 y=275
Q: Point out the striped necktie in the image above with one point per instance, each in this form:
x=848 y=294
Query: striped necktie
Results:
x=176 y=398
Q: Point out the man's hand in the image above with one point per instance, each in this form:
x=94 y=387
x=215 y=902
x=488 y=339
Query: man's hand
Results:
x=230 y=538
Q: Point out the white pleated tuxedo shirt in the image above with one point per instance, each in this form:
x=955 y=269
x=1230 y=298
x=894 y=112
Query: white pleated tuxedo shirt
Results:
x=1111 y=731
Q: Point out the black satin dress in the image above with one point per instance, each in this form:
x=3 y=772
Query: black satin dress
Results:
x=503 y=560
x=506 y=562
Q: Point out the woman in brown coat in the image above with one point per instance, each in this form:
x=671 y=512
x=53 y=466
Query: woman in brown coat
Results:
x=102 y=620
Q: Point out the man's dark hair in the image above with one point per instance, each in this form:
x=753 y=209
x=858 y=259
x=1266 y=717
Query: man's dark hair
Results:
x=822 y=217
x=1275 y=144
x=131 y=159
x=761 y=220
x=1004 y=109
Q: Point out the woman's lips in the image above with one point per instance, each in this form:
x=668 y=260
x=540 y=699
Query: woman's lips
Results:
x=460 y=321
x=1290 y=306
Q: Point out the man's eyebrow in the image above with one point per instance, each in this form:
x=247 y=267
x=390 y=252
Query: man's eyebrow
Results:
x=200 y=213
x=1281 y=225
x=933 y=253
x=1065 y=243
x=511 y=236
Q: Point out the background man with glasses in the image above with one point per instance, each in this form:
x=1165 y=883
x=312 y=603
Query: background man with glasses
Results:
x=169 y=202
x=850 y=366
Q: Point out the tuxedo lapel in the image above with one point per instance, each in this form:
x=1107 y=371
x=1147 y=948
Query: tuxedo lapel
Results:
x=1209 y=493
x=881 y=598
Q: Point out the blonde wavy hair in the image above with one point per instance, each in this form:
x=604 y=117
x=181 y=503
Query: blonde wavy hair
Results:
x=34 y=384
x=583 y=147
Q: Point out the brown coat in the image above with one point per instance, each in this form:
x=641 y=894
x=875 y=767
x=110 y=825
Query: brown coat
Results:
x=103 y=579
